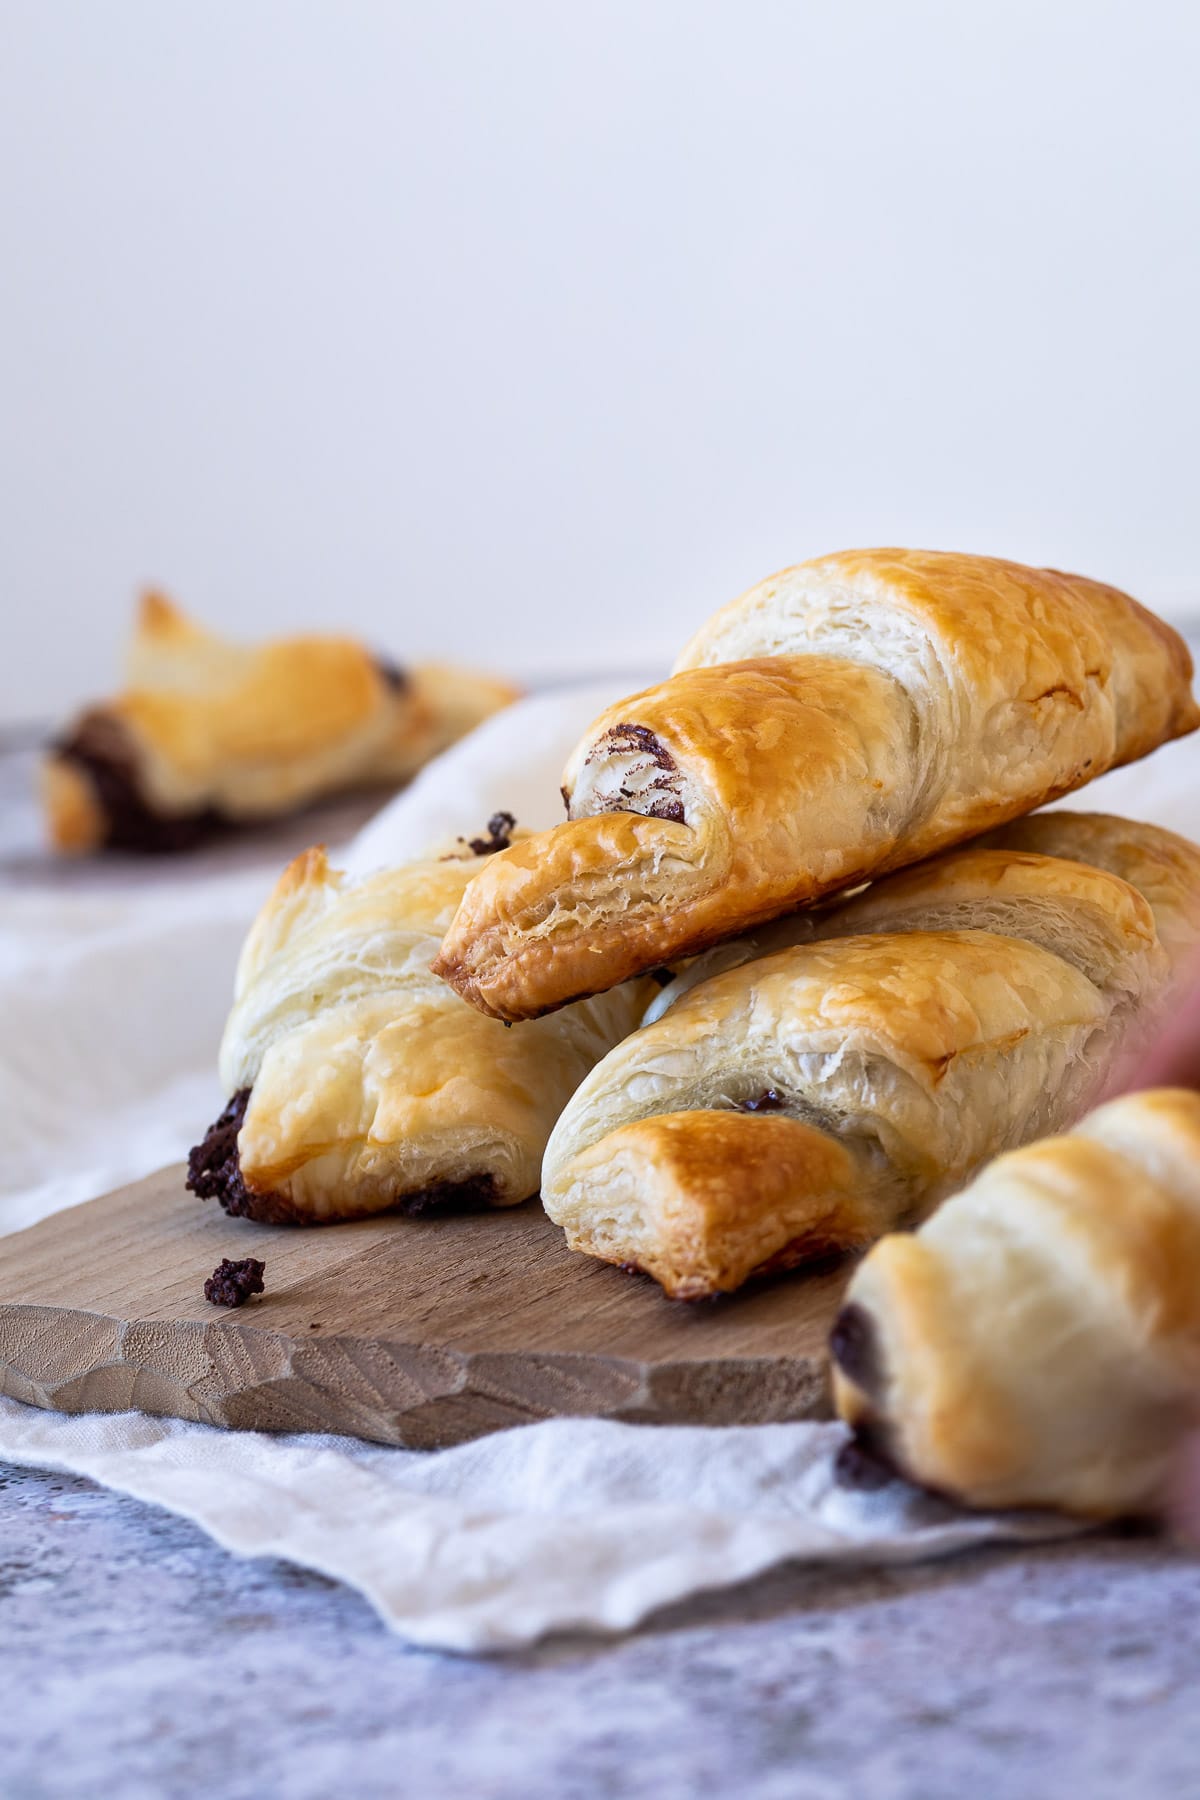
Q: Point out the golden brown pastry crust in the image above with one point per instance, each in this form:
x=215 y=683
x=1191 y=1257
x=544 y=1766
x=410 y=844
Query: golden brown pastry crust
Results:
x=1160 y=864
x=996 y=884
x=1037 y=1343
x=844 y=718
x=719 y=1194
x=946 y=1014
x=210 y=732
x=371 y=1085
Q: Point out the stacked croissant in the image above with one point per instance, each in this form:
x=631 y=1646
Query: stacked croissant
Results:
x=798 y=967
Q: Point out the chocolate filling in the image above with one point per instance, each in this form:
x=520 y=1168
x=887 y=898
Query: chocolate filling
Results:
x=854 y=1346
x=101 y=747
x=770 y=1100
x=396 y=678
x=664 y=977
x=444 y=1199
x=639 y=740
x=215 y=1173
x=868 y=1461
x=214 y=1169
x=232 y=1283
x=499 y=835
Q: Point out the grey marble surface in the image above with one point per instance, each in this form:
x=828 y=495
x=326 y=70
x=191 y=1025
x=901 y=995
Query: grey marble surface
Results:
x=137 y=1659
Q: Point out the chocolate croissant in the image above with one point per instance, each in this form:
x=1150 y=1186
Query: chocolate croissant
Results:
x=1037 y=1343
x=954 y=890
x=842 y=719
x=209 y=734
x=361 y=1084
x=1160 y=864
x=810 y=1100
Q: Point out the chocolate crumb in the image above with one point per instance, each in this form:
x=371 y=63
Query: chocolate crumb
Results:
x=500 y=829
x=232 y=1283
x=770 y=1100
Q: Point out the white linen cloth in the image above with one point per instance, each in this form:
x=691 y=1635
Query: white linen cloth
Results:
x=112 y=1004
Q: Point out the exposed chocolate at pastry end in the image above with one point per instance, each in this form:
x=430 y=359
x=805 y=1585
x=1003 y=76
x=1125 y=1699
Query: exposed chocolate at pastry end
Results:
x=867 y=1461
x=770 y=1100
x=215 y=1173
x=100 y=746
x=661 y=793
x=446 y=1199
x=394 y=676
x=232 y=1283
x=500 y=828
x=214 y=1167
x=627 y=739
x=854 y=1347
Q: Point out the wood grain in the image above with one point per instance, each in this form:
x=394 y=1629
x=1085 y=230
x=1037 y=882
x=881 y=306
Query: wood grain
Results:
x=396 y=1330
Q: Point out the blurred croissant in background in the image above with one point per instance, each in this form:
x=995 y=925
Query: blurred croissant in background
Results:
x=211 y=734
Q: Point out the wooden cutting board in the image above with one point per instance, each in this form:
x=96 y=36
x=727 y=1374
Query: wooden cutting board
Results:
x=400 y=1331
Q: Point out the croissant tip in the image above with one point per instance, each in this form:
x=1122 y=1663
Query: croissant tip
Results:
x=157 y=612
x=309 y=869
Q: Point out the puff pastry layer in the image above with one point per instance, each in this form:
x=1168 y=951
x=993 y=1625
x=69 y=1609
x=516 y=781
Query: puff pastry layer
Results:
x=977 y=1002
x=362 y=1084
x=210 y=734
x=842 y=719
x=979 y=887
x=1037 y=1343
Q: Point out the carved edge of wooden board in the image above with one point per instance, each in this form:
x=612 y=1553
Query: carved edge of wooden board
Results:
x=398 y=1393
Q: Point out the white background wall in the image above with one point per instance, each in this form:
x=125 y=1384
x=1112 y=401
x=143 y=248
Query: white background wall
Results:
x=531 y=331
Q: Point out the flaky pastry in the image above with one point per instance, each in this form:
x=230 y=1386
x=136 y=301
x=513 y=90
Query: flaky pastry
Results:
x=842 y=719
x=978 y=886
x=362 y=1084
x=978 y=1001
x=1037 y=1342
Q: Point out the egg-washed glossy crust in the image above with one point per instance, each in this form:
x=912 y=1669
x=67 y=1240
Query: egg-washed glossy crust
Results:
x=951 y=1012
x=1037 y=1342
x=844 y=718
